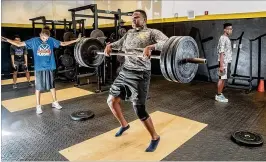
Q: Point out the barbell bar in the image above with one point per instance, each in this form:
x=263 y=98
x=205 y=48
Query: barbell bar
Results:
x=186 y=60
x=179 y=58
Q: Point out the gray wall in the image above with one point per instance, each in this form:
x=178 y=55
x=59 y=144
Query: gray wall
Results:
x=252 y=28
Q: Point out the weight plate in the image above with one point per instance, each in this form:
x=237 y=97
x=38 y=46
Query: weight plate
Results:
x=87 y=56
x=163 y=57
x=67 y=60
x=96 y=33
x=170 y=59
x=247 y=138
x=185 y=48
x=122 y=32
x=80 y=53
x=76 y=53
x=82 y=115
x=68 y=36
x=71 y=74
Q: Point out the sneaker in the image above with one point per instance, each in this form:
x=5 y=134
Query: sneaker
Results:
x=220 y=98
x=15 y=86
x=38 y=109
x=56 y=105
x=30 y=84
x=224 y=97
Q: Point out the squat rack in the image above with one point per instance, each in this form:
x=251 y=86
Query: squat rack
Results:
x=64 y=22
x=259 y=38
x=250 y=77
x=117 y=19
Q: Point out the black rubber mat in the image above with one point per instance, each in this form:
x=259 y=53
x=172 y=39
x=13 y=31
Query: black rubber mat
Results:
x=30 y=137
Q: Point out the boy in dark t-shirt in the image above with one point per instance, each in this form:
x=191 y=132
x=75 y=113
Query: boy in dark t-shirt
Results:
x=19 y=60
x=44 y=62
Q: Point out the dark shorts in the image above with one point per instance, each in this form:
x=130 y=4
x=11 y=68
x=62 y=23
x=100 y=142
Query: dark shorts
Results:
x=44 y=80
x=131 y=86
x=227 y=71
x=20 y=66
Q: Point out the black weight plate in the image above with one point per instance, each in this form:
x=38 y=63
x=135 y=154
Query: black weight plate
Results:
x=186 y=48
x=87 y=56
x=71 y=74
x=79 y=52
x=122 y=32
x=76 y=52
x=68 y=36
x=170 y=59
x=102 y=39
x=96 y=33
x=82 y=115
x=163 y=57
x=247 y=138
x=67 y=60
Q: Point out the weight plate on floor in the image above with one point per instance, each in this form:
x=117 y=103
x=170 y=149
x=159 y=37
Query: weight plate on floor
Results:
x=82 y=115
x=247 y=138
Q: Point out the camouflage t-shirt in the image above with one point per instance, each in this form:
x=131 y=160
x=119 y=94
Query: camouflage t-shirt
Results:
x=134 y=42
x=224 y=46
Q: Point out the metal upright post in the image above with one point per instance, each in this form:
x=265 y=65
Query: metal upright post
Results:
x=74 y=23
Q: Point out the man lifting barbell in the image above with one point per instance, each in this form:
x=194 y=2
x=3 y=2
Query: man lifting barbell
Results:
x=133 y=81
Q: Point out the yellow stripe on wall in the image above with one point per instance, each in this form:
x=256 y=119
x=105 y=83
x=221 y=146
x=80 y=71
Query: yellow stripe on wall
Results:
x=166 y=20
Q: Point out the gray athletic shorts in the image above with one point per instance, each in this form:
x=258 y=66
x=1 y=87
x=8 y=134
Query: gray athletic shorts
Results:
x=131 y=86
x=227 y=71
x=44 y=80
x=20 y=66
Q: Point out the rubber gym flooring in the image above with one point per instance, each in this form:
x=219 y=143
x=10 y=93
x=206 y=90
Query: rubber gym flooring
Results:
x=192 y=125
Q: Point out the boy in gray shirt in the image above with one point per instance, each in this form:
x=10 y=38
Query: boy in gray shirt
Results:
x=224 y=51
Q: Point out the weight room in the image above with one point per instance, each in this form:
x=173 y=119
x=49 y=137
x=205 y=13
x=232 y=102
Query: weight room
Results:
x=188 y=77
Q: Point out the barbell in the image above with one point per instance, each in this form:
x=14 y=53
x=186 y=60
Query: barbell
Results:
x=179 y=57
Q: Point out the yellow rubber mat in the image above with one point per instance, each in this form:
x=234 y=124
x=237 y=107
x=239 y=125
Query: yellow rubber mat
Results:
x=26 y=102
x=174 y=132
x=19 y=80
